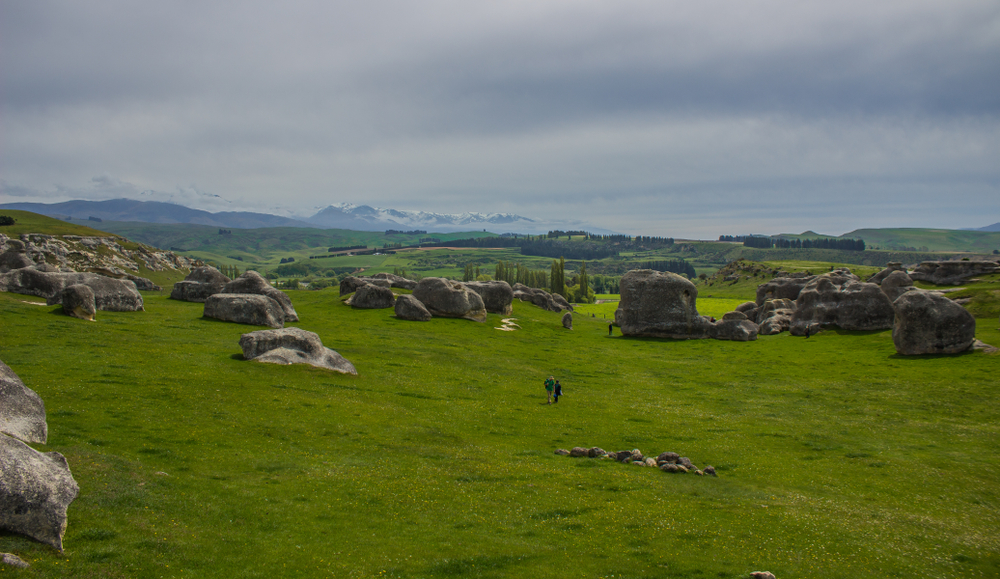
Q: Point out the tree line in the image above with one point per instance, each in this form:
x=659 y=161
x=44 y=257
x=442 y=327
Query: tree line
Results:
x=761 y=242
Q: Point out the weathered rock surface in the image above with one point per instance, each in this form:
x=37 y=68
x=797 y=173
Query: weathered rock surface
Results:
x=79 y=301
x=541 y=298
x=775 y=316
x=350 y=284
x=734 y=326
x=22 y=412
x=110 y=294
x=142 y=283
x=409 y=308
x=253 y=309
x=952 y=272
x=928 y=323
x=567 y=320
x=895 y=284
x=35 y=490
x=252 y=282
x=13 y=560
x=749 y=309
x=13 y=259
x=497 y=295
x=659 y=305
x=891 y=267
x=450 y=299
x=395 y=280
x=199 y=284
x=372 y=297
x=293 y=346
x=840 y=299
x=782 y=288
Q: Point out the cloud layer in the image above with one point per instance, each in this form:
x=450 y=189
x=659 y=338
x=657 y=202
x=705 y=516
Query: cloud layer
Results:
x=667 y=118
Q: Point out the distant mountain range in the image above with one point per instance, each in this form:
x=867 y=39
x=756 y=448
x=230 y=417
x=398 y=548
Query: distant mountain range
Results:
x=342 y=216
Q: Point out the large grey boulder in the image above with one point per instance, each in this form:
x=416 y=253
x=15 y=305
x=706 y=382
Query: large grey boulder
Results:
x=929 y=323
x=541 y=298
x=13 y=259
x=567 y=320
x=450 y=299
x=396 y=280
x=35 y=490
x=734 y=326
x=895 y=284
x=409 y=308
x=110 y=294
x=78 y=301
x=253 y=309
x=891 y=267
x=372 y=297
x=252 y=282
x=22 y=412
x=659 y=305
x=749 y=309
x=841 y=299
x=497 y=295
x=293 y=346
x=952 y=272
x=350 y=284
x=775 y=316
x=782 y=288
x=199 y=284
x=142 y=283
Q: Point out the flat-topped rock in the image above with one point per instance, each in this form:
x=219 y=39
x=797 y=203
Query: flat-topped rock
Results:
x=252 y=282
x=22 y=412
x=253 y=309
x=659 y=305
x=35 y=490
x=293 y=346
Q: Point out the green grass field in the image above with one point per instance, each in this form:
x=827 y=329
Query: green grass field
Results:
x=837 y=458
x=28 y=222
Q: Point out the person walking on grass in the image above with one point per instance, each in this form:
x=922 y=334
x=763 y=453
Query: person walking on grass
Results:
x=550 y=385
x=557 y=392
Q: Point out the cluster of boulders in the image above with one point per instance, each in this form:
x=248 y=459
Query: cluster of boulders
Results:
x=109 y=256
x=541 y=298
x=248 y=299
x=35 y=487
x=293 y=346
x=952 y=272
x=665 y=461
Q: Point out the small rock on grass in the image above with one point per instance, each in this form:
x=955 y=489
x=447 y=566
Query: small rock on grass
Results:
x=579 y=451
x=710 y=470
x=562 y=452
x=762 y=575
x=14 y=561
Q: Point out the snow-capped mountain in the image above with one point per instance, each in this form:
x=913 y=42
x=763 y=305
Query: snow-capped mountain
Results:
x=350 y=216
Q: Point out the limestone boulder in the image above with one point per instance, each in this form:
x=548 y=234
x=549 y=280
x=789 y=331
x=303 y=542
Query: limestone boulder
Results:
x=409 y=308
x=14 y=260
x=775 y=316
x=540 y=298
x=397 y=281
x=199 y=284
x=22 y=412
x=110 y=294
x=293 y=346
x=659 y=305
x=567 y=320
x=450 y=299
x=749 y=309
x=895 y=284
x=929 y=323
x=350 y=284
x=952 y=272
x=253 y=309
x=734 y=326
x=252 y=282
x=782 y=288
x=840 y=299
x=142 y=283
x=35 y=490
x=372 y=297
x=78 y=301
x=891 y=267
x=497 y=295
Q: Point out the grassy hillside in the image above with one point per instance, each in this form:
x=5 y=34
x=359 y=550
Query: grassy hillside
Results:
x=28 y=222
x=836 y=457
x=929 y=239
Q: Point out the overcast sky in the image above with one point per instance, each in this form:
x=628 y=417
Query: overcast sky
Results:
x=687 y=119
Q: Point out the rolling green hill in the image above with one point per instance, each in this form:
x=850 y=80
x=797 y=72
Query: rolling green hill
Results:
x=28 y=222
x=929 y=239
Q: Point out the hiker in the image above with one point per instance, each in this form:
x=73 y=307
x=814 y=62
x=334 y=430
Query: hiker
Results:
x=558 y=392
x=807 y=332
x=611 y=327
x=550 y=385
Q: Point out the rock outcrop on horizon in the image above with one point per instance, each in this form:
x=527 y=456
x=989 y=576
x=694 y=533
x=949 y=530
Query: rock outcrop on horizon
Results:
x=252 y=282
x=929 y=323
x=497 y=295
x=952 y=272
x=659 y=305
x=408 y=307
x=35 y=490
x=841 y=299
x=450 y=299
x=253 y=309
x=293 y=346
x=199 y=284
x=22 y=412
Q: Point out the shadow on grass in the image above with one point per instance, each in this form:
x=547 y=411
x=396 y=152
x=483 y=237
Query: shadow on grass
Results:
x=474 y=566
